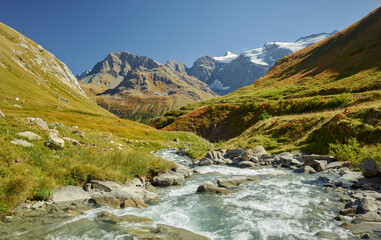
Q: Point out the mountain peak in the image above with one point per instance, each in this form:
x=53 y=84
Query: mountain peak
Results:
x=227 y=58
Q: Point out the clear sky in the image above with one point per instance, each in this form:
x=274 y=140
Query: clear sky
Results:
x=83 y=32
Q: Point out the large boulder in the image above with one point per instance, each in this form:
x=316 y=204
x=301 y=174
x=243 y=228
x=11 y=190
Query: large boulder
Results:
x=318 y=165
x=206 y=162
x=365 y=205
x=55 y=143
x=305 y=169
x=370 y=169
x=231 y=182
x=31 y=136
x=246 y=164
x=234 y=153
x=367 y=217
x=214 y=155
x=70 y=194
x=38 y=121
x=209 y=187
x=142 y=193
x=247 y=155
x=118 y=198
x=21 y=142
x=169 y=178
x=183 y=170
x=259 y=151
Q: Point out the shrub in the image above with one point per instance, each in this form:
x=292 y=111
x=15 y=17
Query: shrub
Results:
x=342 y=100
x=264 y=115
x=42 y=193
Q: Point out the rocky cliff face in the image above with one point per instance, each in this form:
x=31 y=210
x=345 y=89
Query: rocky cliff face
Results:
x=139 y=88
x=231 y=71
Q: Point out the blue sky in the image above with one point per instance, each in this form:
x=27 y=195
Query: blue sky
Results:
x=82 y=32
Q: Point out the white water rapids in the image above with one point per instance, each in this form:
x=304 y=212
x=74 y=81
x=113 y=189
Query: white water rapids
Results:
x=278 y=205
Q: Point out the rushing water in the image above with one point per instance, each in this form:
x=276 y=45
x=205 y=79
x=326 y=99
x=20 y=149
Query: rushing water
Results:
x=278 y=204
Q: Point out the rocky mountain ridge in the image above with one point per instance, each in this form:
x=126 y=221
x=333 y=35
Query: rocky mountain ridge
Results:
x=232 y=71
x=139 y=88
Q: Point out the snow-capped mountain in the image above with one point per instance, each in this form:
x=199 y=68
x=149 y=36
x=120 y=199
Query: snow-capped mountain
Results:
x=232 y=71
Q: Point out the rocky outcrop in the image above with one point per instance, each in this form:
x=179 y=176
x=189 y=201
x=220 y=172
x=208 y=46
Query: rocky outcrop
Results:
x=177 y=66
x=209 y=187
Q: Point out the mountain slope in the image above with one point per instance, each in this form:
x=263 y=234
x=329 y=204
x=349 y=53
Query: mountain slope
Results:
x=307 y=100
x=139 y=88
x=33 y=83
x=231 y=71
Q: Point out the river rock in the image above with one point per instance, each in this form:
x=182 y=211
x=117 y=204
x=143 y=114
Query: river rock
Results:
x=173 y=233
x=370 y=169
x=334 y=165
x=21 y=142
x=55 y=143
x=113 y=219
x=368 y=183
x=367 y=217
x=205 y=162
x=327 y=235
x=31 y=136
x=38 y=121
x=73 y=141
x=209 y=187
x=259 y=151
x=169 y=178
x=183 y=170
x=231 y=182
x=318 y=165
x=349 y=175
x=234 y=153
x=305 y=169
x=372 y=228
x=365 y=205
x=214 y=155
x=247 y=155
x=293 y=163
x=318 y=157
x=103 y=186
x=118 y=198
x=70 y=194
x=142 y=193
x=246 y=164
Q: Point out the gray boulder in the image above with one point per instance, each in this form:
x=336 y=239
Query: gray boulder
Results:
x=259 y=151
x=205 y=162
x=305 y=169
x=55 y=143
x=334 y=165
x=293 y=162
x=118 y=199
x=246 y=164
x=367 y=217
x=233 y=153
x=183 y=170
x=214 y=155
x=103 y=186
x=70 y=194
x=247 y=155
x=209 y=187
x=142 y=193
x=318 y=165
x=370 y=169
x=168 y=179
x=21 y=142
x=31 y=136
x=231 y=182
x=365 y=205
x=38 y=121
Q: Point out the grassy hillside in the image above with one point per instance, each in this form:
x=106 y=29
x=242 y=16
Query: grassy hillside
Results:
x=321 y=95
x=33 y=83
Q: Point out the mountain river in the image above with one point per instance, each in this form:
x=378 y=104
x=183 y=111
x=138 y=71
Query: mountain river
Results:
x=277 y=204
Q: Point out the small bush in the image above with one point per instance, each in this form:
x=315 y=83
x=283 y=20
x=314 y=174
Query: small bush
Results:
x=342 y=100
x=264 y=115
x=42 y=193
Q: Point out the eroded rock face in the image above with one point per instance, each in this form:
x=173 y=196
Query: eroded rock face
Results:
x=209 y=187
x=370 y=169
